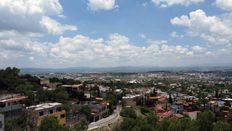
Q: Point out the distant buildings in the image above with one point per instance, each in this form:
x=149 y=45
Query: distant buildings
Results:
x=73 y=88
x=44 y=81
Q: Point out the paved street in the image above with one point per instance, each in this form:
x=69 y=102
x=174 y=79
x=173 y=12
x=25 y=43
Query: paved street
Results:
x=106 y=121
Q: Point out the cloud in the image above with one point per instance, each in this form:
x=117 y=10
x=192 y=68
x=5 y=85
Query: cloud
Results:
x=143 y=36
x=213 y=29
x=54 y=27
x=198 y=49
x=82 y=50
x=31 y=58
x=96 y=5
x=167 y=3
x=28 y=15
x=224 y=4
x=174 y=34
x=145 y=4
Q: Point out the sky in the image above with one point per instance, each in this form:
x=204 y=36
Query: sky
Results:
x=110 y=33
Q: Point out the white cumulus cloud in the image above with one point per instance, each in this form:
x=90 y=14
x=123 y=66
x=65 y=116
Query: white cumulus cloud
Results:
x=213 y=29
x=54 y=27
x=82 y=50
x=102 y=4
x=224 y=4
x=167 y=3
x=27 y=15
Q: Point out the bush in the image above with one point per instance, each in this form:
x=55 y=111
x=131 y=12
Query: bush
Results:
x=128 y=112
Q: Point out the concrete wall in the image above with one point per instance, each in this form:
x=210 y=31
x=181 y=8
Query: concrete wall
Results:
x=11 y=107
x=2 y=122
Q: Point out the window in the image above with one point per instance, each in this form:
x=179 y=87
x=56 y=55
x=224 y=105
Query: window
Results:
x=15 y=103
x=1 y=125
x=41 y=113
x=58 y=109
x=2 y=105
x=62 y=115
x=50 y=111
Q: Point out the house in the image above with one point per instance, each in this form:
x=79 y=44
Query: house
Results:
x=87 y=94
x=178 y=108
x=44 y=81
x=73 y=88
x=130 y=100
x=11 y=107
x=51 y=86
x=151 y=100
x=163 y=114
x=104 y=90
x=37 y=113
x=227 y=101
x=98 y=110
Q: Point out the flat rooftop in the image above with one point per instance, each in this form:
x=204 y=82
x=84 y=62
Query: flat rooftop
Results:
x=44 y=106
x=12 y=97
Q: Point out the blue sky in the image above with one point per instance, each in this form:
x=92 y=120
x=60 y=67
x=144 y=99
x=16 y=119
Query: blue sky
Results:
x=106 y=33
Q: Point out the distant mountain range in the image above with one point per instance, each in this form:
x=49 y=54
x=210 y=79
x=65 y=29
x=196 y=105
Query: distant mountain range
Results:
x=126 y=69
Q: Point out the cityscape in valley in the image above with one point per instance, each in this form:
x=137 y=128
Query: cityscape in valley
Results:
x=106 y=101
x=115 y=65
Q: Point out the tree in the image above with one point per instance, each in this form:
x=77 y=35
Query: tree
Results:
x=221 y=126
x=127 y=124
x=30 y=78
x=19 y=124
x=205 y=120
x=164 y=125
x=183 y=124
x=61 y=95
x=82 y=125
x=50 y=123
x=202 y=99
x=152 y=119
x=64 y=81
x=86 y=111
x=112 y=101
x=9 y=79
x=144 y=110
x=67 y=106
x=27 y=89
x=128 y=112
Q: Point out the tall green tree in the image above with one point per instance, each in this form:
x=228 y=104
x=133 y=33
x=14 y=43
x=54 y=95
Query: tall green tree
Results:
x=205 y=120
x=152 y=119
x=203 y=99
x=61 y=95
x=9 y=79
x=222 y=126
